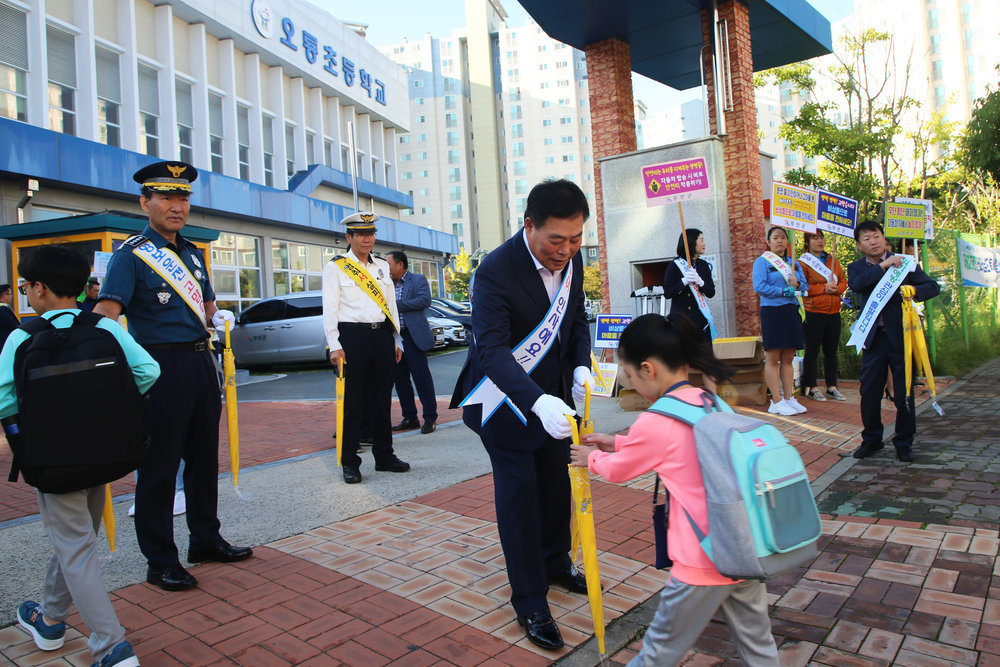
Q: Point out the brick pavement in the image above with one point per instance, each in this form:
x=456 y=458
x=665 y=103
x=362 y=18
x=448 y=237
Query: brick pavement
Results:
x=422 y=582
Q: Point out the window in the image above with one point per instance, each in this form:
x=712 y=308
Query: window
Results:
x=236 y=271
x=149 y=111
x=547 y=122
x=550 y=160
x=268 y=132
x=405 y=157
x=406 y=175
x=455 y=193
x=422 y=155
x=939 y=96
x=404 y=139
x=565 y=120
x=215 y=132
x=454 y=157
x=421 y=119
x=454 y=175
x=450 y=120
x=185 y=121
x=62 y=81
x=419 y=101
x=548 y=141
x=290 y=150
x=418 y=83
x=243 y=140
x=520 y=167
x=521 y=186
x=449 y=102
x=564 y=102
x=456 y=211
x=517 y=130
x=311 y=148
x=546 y=104
x=568 y=158
x=452 y=138
x=567 y=140
x=424 y=173
x=13 y=64
x=425 y=192
x=518 y=149
x=932 y=19
x=515 y=112
x=298 y=266
x=109 y=97
x=937 y=70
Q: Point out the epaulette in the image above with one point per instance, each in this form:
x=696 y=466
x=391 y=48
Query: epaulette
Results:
x=135 y=241
x=339 y=258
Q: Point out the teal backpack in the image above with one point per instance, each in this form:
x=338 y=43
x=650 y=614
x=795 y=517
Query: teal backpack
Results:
x=762 y=517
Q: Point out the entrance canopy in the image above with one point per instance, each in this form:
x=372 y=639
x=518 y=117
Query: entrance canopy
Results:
x=665 y=35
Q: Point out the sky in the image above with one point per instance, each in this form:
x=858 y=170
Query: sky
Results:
x=394 y=20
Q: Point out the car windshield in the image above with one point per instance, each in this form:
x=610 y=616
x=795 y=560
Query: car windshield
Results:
x=454 y=305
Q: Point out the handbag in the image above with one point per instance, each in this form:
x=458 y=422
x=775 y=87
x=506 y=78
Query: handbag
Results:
x=660 y=524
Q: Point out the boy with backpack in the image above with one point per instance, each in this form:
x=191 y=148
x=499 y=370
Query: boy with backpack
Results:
x=53 y=277
x=719 y=559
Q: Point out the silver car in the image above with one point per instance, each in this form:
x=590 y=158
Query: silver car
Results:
x=287 y=330
x=454 y=332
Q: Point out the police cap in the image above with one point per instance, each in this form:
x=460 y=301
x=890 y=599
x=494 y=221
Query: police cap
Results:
x=166 y=177
x=360 y=222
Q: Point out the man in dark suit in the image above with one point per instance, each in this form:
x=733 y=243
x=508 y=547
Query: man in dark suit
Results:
x=413 y=296
x=884 y=350
x=8 y=320
x=530 y=343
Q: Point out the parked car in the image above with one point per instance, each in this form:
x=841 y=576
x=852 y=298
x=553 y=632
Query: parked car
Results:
x=454 y=333
x=288 y=330
x=448 y=304
x=465 y=319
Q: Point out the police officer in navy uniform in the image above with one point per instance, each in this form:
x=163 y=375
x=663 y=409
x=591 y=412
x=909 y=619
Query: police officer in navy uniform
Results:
x=182 y=417
x=360 y=332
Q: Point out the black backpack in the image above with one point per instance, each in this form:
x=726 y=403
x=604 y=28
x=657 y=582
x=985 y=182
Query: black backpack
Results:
x=61 y=375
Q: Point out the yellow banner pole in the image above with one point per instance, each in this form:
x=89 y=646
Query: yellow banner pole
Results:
x=109 y=518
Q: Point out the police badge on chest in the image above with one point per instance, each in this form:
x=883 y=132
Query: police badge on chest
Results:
x=163 y=296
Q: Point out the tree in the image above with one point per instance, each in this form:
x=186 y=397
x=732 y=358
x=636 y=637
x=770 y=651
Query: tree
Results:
x=981 y=143
x=592 y=281
x=456 y=281
x=856 y=135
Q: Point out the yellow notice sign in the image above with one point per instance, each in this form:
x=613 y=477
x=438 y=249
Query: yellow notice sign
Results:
x=905 y=221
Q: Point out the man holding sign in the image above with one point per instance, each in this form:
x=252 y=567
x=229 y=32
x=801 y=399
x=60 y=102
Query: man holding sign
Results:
x=883 y=278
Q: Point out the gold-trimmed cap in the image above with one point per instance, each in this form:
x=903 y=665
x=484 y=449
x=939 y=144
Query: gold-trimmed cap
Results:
x=360 y=222
x=166 y=177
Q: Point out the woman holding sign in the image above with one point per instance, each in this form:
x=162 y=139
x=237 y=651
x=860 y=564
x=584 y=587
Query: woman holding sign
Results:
x=777 y=279
x=826 y=282
x=689 y=285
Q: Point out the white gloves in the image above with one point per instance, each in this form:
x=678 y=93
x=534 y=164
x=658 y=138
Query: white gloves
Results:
x=691 y=277
x=220 y=318
x=552 y=412
x=581 y=378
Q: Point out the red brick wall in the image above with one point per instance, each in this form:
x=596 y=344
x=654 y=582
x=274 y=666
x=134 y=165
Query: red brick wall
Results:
x=612 y=124
x=742 y=155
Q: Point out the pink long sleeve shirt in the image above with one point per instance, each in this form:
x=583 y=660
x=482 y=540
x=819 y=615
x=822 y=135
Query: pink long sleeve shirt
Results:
x=659 y=443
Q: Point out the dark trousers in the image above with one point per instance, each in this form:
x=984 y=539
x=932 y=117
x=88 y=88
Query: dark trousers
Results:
x=182 y=420
x=881 y=356
x=414 y=363
x=533 y=512
x=822 y=331
x=369 y=366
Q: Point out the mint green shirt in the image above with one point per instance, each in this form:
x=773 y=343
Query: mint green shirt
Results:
x=144 y=367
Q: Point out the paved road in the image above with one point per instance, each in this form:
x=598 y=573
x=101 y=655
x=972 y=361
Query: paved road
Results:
x=317 y=382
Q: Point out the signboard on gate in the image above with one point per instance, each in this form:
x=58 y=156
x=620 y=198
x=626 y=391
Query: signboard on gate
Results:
x=678 y=181
x=835 y=213
x=905 y=221
x=793 y=207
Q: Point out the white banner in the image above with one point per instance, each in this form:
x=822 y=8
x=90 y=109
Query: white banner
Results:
x=980 y=267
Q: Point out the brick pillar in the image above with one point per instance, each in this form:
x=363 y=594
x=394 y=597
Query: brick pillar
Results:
x=742 y=155
x=612 y=125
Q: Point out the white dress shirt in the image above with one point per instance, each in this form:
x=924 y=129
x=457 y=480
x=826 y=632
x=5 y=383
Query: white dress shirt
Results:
x=345 y=301
x=551 y=280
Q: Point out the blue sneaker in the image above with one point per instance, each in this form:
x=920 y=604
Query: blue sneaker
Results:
x=47 y=637
x=121 y=655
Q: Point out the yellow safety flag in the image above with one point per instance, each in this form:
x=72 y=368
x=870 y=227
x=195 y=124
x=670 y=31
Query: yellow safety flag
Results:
x=341 y=391
x=598 y=375
x=583 y=513
x=915 y=347
x=232 y=415
x=586 y=428
x=109 y=518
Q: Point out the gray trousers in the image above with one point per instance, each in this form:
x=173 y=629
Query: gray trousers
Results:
x=74 y=576
x=685 y=610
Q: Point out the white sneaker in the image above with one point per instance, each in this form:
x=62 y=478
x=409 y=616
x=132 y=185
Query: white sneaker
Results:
x=781 y=408
x=795 y=405
x=180 y=503
x=131 y=510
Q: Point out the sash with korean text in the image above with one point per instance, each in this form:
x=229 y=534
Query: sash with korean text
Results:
x=788 y=273
x=814 y=263
x=358 y=274
x=880 y=296
x=699 y=298
x=527 y=354
x=169 y=266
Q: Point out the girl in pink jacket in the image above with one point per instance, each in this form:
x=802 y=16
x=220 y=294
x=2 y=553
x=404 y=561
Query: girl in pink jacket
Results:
x=655 y=354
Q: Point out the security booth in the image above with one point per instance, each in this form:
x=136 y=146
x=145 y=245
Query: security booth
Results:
x=92 y=234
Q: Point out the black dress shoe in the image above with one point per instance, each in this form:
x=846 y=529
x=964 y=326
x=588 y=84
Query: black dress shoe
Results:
x=222 y=552
x=406 y=425
x=429 y=426
x=392 y=465
x=352 y=475
x=541 y=630
x=865 y=450
x=174 y=578
x=904 y=454
x=572 y=580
